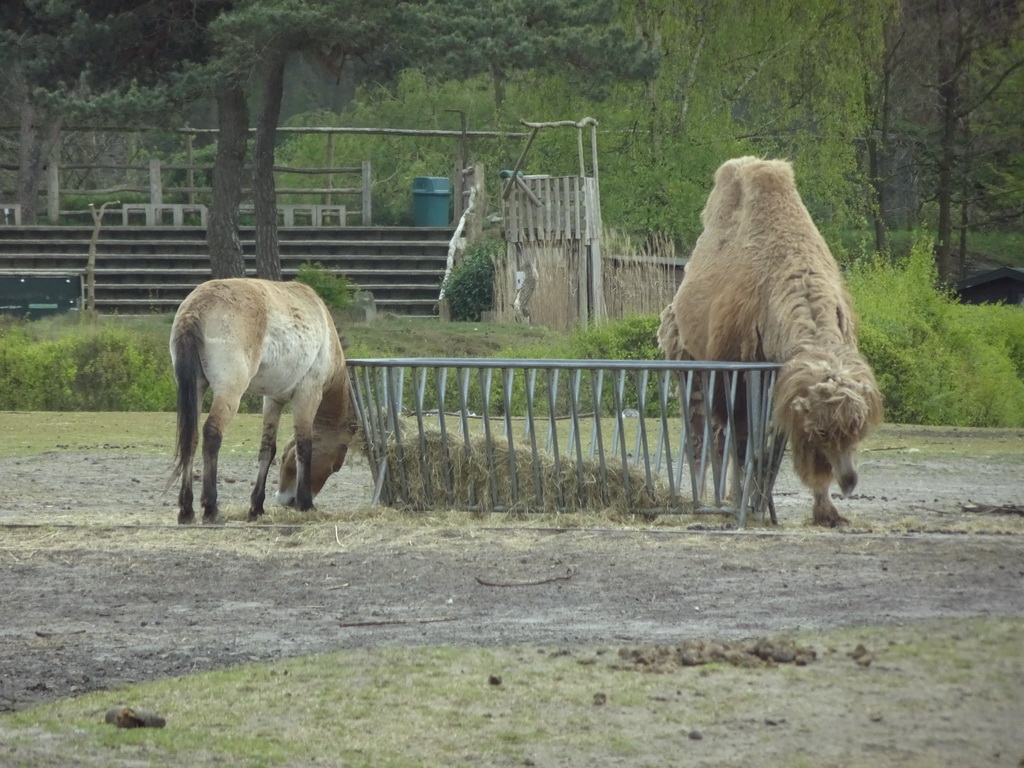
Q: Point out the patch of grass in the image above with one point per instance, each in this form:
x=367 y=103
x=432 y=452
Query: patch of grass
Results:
x=418 y=337
x=438 y=707
x=27 y=433
x=921 y=442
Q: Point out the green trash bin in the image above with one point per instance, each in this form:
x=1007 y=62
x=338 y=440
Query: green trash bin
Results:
x=431 y=200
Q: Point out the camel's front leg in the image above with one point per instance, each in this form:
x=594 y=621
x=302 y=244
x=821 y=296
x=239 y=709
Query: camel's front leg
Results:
x=825 y=512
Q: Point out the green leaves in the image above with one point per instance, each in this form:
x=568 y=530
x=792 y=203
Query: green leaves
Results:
x=937 y=361
x=470 y=286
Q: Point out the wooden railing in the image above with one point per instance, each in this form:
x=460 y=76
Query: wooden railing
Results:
x=174 y=204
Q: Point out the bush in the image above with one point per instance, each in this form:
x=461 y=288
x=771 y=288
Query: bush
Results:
x=938 y=361
x=631 y=338
x=335 y=290
x=470 y=286
x=109 y=370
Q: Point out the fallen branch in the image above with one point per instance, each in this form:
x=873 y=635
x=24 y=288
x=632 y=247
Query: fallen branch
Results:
x=994 y=509
x=395 y=621
x=41 y=633
x=567 y=576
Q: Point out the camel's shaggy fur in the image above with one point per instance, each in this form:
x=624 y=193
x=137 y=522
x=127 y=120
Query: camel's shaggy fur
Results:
x=762 y=286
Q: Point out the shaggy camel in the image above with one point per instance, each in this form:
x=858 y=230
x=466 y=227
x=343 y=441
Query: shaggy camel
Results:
x=762 y=286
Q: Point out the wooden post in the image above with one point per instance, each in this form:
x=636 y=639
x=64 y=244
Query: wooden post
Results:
x=90 y=264
x=475 y=221
x=600 y=309
x=190 y=174
x=511 y=182
x=461 y=161
x=53 y=184
x=579 y=150
x=330 y=164
x=156 y=191
x=367 y=198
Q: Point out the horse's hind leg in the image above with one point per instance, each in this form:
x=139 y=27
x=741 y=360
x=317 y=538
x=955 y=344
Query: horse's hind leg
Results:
x=222 y=411
x=186 y=510
x=268 y=449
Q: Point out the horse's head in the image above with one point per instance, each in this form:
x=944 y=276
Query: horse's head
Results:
x=329 y=453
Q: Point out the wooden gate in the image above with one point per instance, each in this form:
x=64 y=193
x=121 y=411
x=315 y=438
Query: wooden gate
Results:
x=553 y=236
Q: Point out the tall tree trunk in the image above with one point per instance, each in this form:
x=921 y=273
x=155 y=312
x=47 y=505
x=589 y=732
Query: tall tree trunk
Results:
x=949 y=51
x=878 y=154
x=944 y=188
x=226 y=259
x=878 y=191
x=36 y=143
x=268 y=258
x=966 y=201
x=498 y=80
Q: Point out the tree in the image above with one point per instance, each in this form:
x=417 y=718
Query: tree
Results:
x=257 y=36
x=579 y=38
x=222 y=238
x=967 y=66
x=93 y=60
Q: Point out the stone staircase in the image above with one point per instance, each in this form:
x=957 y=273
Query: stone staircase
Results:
x=151 y=269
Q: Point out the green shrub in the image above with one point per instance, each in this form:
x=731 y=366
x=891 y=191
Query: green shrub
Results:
x=121 y=371
x=631 y=338
x=36 y=377
x=470 y=286
x=107 y=370
x=334 y=289
x=938 y=361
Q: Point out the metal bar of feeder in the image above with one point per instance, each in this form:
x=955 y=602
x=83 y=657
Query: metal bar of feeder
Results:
x=597 y=437
x=441 y=380
x=507 y=386
x=641 y=432
x=486 y=377
x=553 y=430
x=419 y=392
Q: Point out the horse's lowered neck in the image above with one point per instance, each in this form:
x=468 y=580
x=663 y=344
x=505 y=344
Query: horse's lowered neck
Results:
x=337 y=410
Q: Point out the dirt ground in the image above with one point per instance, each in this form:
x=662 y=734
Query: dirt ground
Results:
x=99 y=587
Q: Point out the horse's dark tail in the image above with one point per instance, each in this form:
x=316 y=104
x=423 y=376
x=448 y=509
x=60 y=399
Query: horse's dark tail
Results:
x=186 y=343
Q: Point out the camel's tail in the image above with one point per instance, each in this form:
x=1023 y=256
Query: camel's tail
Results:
x=187 y=343
x=827 y=398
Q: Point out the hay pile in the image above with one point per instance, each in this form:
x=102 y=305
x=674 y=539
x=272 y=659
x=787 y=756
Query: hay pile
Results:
x=446 y=474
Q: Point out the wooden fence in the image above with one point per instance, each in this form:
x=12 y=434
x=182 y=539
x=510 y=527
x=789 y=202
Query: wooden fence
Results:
x=170 y=203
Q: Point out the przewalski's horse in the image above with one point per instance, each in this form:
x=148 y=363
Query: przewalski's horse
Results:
x=278 y=340
x=762 y=286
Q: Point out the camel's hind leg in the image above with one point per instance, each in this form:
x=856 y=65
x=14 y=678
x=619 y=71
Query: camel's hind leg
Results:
x=222 y=410
x=268 y=449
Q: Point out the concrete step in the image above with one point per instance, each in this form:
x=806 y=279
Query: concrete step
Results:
x=142 y=269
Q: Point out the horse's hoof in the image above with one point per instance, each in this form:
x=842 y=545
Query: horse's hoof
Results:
x=215 y=519
x=186 y=518
x=254 y=515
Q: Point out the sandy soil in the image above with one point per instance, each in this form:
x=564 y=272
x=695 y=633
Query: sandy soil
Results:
x=98 y=587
